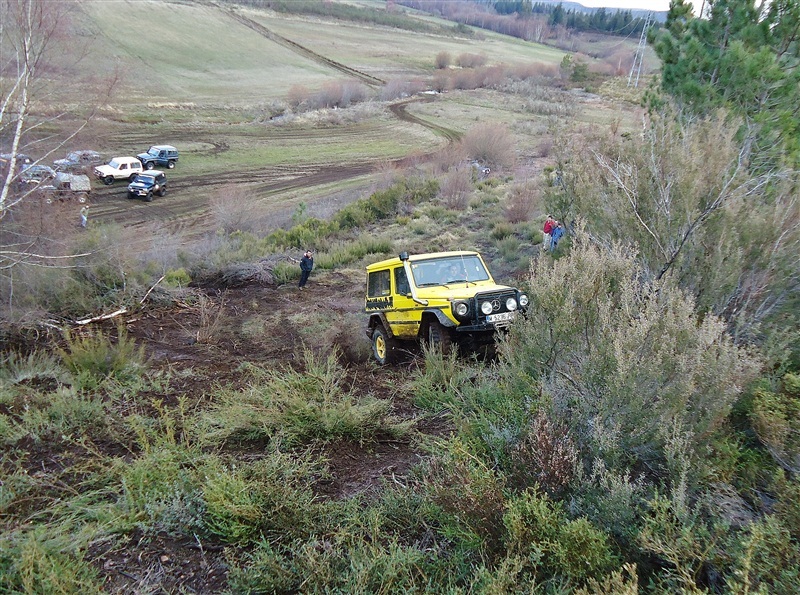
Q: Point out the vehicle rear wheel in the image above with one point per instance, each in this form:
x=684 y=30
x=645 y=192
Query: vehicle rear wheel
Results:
x=170 y=164
x=439 y=337
x=384 y=348
x=82 y=198
x=149 y=165
x=108 y=180
x=149 y=197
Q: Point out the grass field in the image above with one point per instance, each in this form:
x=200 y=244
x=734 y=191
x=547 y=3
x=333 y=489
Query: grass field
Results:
x=210 y=79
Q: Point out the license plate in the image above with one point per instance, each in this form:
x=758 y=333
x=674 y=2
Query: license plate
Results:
x=502 y=317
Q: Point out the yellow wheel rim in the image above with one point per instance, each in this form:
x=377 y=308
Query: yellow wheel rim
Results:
x=380 y=346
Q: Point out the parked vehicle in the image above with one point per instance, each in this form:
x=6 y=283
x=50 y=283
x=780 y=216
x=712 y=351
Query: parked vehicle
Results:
x=20 y=158
x=67 y=187
x=159 y=155
x=119 y=168
x=443 y=298
x=35 y=174
x=147 y=184
x=78 y=161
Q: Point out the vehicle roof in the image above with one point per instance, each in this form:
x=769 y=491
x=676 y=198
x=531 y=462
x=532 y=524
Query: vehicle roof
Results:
x=417 y=257
x=167 y=147
x=125 y=158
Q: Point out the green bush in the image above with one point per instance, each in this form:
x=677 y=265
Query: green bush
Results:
x=538 y=531
x=270 y=498
x=38 y=561
x=92 y=357
x=300 y=406
x=620 y=358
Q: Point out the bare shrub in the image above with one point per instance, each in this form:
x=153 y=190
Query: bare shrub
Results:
x=443 y=60
x=490 y=143
x=456 y=187
x=447 y=159
x=492 y=76
x=545 y=147
x=441 y=81
x=232 y=209
x=546 y=456
x=400 y=88
x=521 y=201
x=533 y=70
x=298 y=95
x=467 y=60
x=211 y=320
x=466 y=79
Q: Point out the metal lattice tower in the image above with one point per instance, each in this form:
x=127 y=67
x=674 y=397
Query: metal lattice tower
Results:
x=638 y=59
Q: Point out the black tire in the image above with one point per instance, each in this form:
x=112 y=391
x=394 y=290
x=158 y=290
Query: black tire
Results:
x=162 y=191
x=170 y=164
x=108 y=180
x=384 y=348
x=439 y=337
x=132 y=177
x=131 y=196
x=149 y=165
x=149 y=197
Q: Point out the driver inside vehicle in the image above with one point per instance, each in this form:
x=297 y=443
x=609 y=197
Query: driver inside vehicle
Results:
x=453 y=273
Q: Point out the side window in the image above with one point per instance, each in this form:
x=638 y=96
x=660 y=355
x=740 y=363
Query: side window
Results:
x=401 y=281
x=162 y=154
x=379 y=284
x=123 y=166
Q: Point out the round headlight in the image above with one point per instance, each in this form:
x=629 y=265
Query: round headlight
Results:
x=511 y=304
x=461 y=308
x=523 y=300
x=486 y=307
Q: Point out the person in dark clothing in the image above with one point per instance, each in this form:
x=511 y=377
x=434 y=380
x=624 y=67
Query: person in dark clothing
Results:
x=556 y=235
x=306 y=265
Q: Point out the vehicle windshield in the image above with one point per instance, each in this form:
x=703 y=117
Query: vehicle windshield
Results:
x=144 y=179
x=450 y=269
x=114 y=163
x=153 y=152
x=73 y=157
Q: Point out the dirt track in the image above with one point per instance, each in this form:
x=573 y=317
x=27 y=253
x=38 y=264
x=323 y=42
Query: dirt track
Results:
x=183 y=211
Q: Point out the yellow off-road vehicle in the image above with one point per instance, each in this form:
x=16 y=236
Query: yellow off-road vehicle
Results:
x=443 y=298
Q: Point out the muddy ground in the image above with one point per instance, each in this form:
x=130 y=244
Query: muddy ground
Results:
x=263 y=325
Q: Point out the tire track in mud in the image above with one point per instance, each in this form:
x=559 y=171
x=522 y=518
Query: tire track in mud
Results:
x=300 y=49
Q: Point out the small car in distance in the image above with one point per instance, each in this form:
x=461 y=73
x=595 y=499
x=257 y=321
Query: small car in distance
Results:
x=78 y=161
x=67 y=187
x=159 y=155
x=119 y=168
x=148 y=183
x=34 y=174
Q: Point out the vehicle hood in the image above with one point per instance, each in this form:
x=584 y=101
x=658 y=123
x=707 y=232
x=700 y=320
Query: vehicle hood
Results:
x=105 y=169
x=139 y=184
x=460 y=291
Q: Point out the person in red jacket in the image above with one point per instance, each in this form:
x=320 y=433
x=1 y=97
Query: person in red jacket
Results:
x=549 y=224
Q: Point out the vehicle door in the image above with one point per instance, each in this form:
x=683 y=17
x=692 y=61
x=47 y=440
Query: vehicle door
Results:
x=123 y=168
x=405 y=316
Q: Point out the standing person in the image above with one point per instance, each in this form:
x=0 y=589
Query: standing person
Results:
x=549 y=224
x=555 y=235
x=84 y=215
x=306 y=265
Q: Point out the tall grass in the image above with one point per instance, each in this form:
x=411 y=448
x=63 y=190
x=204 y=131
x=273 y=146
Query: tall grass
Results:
x=299 y=407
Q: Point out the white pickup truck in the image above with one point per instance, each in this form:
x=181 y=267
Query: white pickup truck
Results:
x=119 y=168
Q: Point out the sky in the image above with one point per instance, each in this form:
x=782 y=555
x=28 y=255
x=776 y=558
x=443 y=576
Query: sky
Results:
x=643 y=4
